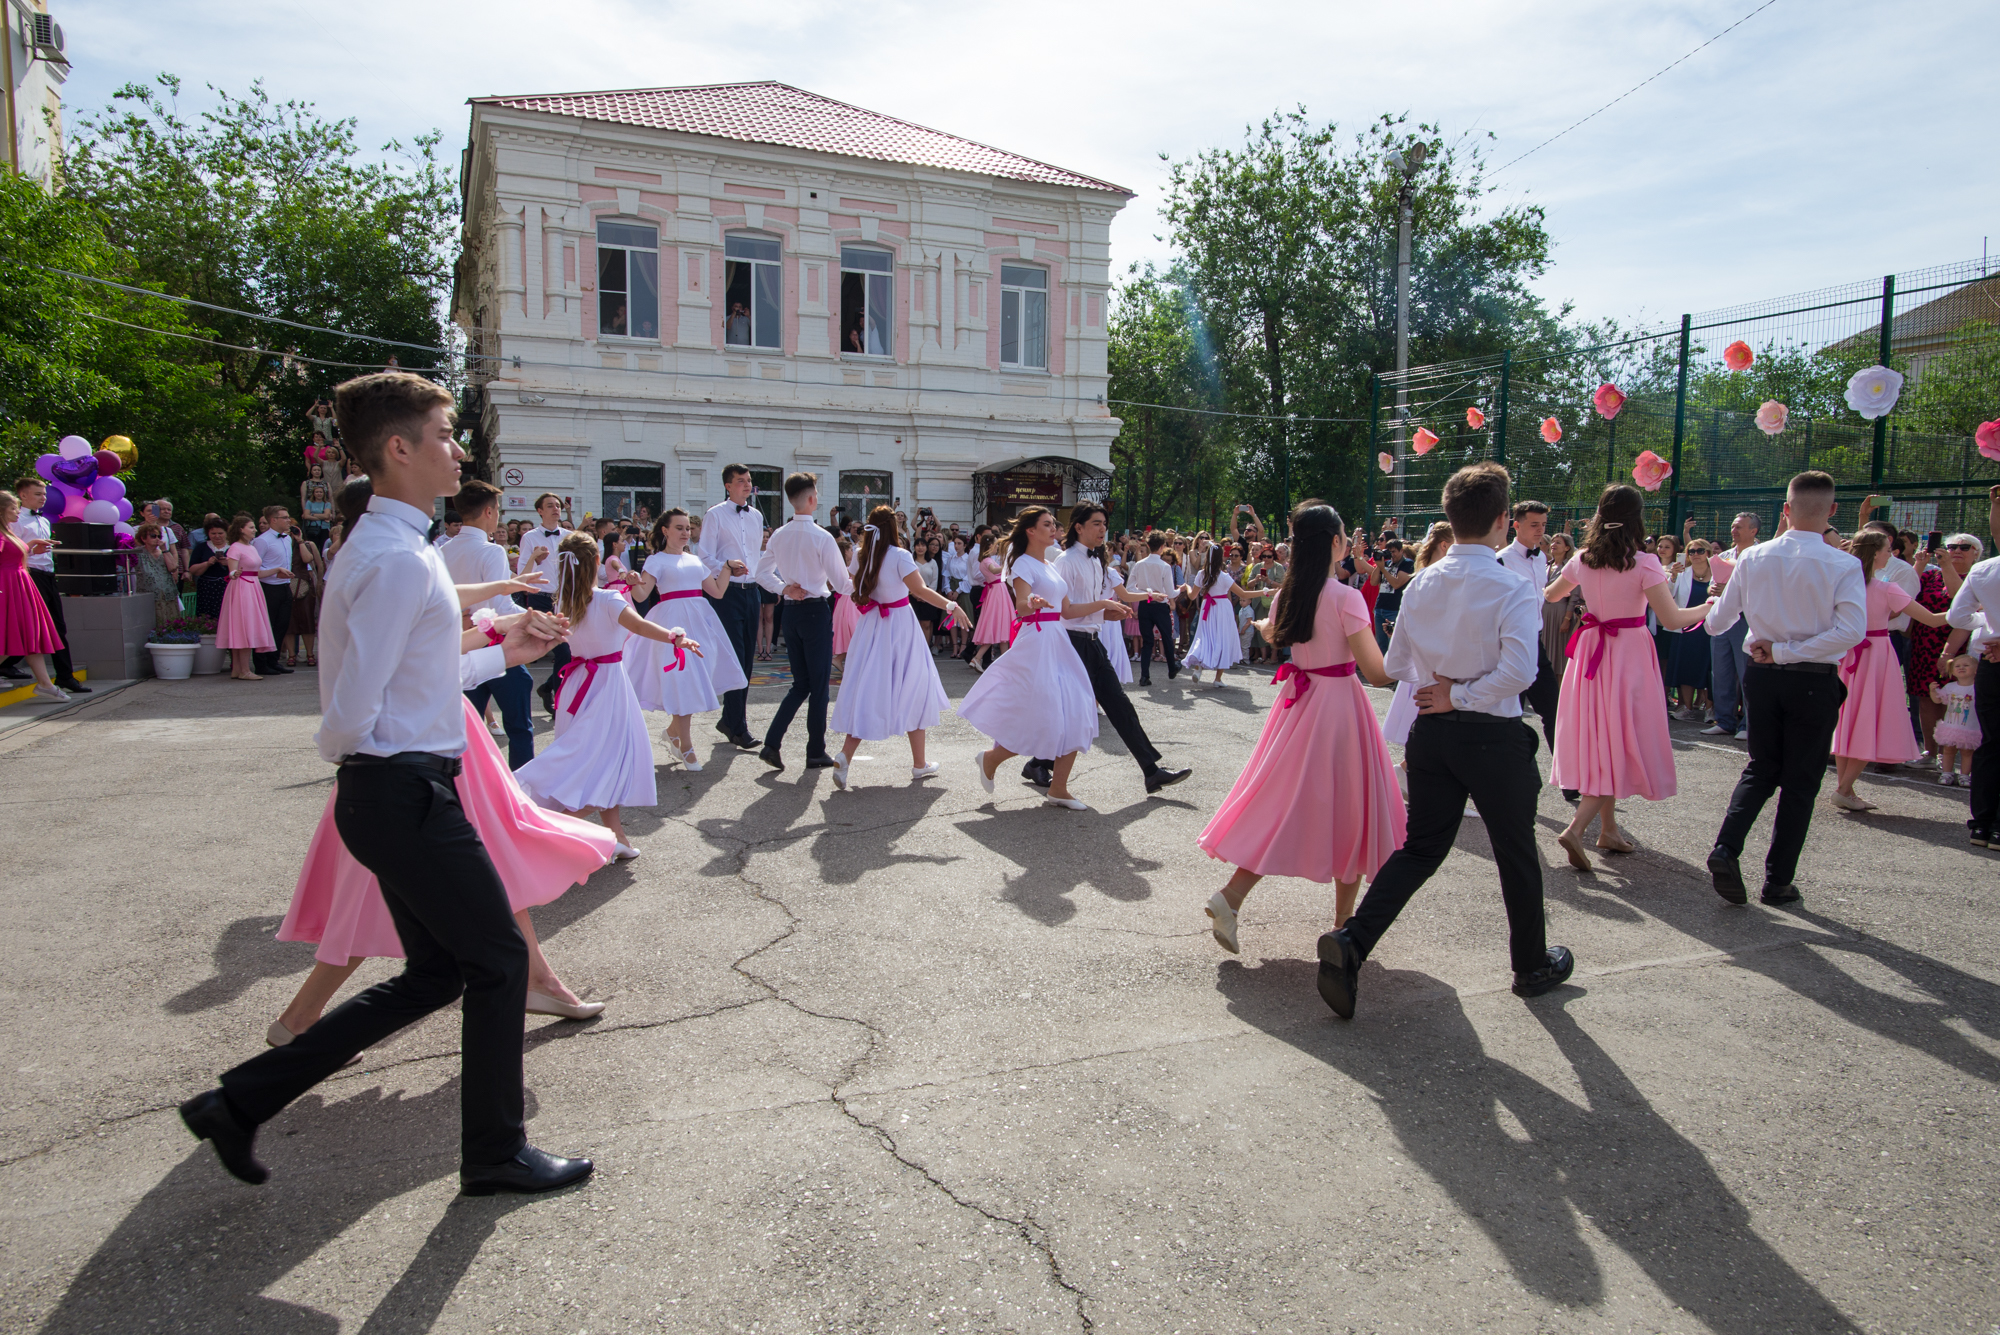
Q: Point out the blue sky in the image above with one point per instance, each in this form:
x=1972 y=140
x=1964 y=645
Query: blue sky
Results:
x=1823 y=141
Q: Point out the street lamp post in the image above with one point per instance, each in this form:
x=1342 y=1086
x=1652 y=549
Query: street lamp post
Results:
x=1406 y=162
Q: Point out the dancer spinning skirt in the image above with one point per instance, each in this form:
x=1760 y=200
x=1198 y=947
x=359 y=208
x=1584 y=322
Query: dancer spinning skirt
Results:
x=1113 y=632
x=694 y=685
x=890 y=685
x=1216 y=643
x=996 y=608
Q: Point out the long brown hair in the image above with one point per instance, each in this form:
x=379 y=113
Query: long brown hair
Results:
x=1434 y=544
x=659 y=536
x=1211 y=565
x=1017 y=539
x=575 y=583
x=878 y=535
x=1617 y=532
x=1864 y=547
x=1315 y=527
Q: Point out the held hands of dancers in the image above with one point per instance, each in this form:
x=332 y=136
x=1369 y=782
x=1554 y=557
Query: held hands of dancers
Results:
x=471 y=595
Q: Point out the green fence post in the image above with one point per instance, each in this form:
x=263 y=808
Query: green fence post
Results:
x=1374 y=447
x=1500 y=429
x=1680 y=430
x=1877 y=466
x=1611 y=451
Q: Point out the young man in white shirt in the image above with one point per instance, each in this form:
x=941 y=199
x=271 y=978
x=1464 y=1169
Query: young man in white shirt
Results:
x=802 y=563
x=1466 y=640
x=472 y=557
x=391 y=718
x=1806 y=605
x=731 y=537
x=1154 y=578
x=1726 y=659
x=537 y=556
x=1975 y=615
x=274 y=580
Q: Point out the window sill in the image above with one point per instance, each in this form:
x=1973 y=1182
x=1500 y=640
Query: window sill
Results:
x=629 y=340
x=752 y=350
x=1036 y=372
x=868 y=358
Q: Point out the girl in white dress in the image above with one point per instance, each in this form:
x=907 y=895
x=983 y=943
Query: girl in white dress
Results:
x=1035 y=700
x=1216 y=643
x=601 y=758
x=1113 y=632
x=890 y=683
x=662 y=677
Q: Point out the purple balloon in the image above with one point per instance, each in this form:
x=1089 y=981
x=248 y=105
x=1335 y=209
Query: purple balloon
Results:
x=100 y=512
x=58 y=497
x=73 y=447
x=77 y=473
x=124 y=509
x=107 y=489
x=45 y=464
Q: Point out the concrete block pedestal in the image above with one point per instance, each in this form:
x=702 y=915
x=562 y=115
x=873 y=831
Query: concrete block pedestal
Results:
x=108 y=635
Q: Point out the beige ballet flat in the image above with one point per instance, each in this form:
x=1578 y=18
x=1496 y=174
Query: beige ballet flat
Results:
x=1222 y=922
x=1624 y=846
x=1574 y=847
x=541 y=1003
x=1846 y=803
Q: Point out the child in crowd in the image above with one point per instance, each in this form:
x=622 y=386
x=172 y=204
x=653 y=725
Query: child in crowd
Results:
x=1957 y=732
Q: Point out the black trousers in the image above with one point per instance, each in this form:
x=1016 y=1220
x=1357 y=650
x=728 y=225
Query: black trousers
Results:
x=1544 y=694
x=278 y=606
x=1156 y=618
x=1792 y=717
x=405 y=825
x=1986 y=760
x=541 y=602
x=513 y=689
x=60 y=668
x=1492 y=760
x=740 y=608
x=1111 y=698
x=809 y=651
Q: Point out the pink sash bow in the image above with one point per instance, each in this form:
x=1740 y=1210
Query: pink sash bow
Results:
x=865 y=607
x=1035 y=620
x=1208 y=600
x=1852 y=663
x=1303 y=676
x=589 y=666
x=1606 y=628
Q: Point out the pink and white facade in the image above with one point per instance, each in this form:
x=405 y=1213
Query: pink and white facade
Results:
x=658 y=283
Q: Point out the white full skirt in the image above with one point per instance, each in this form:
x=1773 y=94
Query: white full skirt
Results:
x=1113 y=635
x=889 y=685
x=601 y=755
x=1216 y=643
x=1036 y=699
x=696 y=687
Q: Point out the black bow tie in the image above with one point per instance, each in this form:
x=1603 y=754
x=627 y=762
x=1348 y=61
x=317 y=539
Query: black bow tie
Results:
x=742 y=509
x=550 y=532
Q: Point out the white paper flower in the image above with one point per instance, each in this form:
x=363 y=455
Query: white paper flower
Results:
x=1874 y=390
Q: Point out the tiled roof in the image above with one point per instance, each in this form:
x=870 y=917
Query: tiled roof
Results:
x=777 y=113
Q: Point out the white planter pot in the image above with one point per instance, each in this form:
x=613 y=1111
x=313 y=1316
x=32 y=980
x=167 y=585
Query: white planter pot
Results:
x=209 y=660
x=173 y=662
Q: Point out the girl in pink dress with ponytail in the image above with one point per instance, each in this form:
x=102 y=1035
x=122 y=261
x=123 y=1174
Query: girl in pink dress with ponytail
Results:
x=1318 y=797
x=244 y=628
x=1875 y=718
x=1611 y=719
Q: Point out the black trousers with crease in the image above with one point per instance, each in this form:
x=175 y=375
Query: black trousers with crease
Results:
x=1156 y=618
x=809 y=653
x=1792 y=718
x=1986 y=760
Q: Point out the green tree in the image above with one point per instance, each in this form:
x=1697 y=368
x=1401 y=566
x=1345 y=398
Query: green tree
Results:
x=1171 y=457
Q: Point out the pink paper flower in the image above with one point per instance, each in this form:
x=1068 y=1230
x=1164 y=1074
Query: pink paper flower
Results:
x=1608 y=400
x=1423 y=440
x=1737 y=356
x=1771 y=417
x=1988 y=437
x=1384 y=462
x=1649 y=470
x=1474 y=418
x=1552 y=430
x=1873 y=391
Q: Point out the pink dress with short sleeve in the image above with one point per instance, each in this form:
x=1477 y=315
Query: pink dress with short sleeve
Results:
x=996 y=607
x=25 y=624
x=245 y=622
x=1875 y=720
x=1611 y=721
x=1317 y=798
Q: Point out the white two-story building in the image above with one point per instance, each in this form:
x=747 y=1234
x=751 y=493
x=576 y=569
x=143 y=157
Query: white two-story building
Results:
x=661 y=282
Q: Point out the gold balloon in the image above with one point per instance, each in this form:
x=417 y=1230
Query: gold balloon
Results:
x=122 y=446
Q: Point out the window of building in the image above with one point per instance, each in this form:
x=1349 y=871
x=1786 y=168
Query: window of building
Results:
x=1024 y=316
x=750 y=274
x=861 y=490
x=630 y=484
x=628 y=280
x=767 y=493
x=867 y=302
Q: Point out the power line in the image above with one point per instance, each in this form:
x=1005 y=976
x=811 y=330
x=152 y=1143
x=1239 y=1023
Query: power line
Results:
x=268 y=352
x=1641 y=84
x=1210 y=412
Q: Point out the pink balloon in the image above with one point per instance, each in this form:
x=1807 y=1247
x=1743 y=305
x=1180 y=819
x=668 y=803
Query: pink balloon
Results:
x=107 y=489
x=74 y=504
x=100 y=512
x=74 y=447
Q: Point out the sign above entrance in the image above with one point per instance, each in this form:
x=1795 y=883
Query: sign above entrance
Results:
x=1024 y=489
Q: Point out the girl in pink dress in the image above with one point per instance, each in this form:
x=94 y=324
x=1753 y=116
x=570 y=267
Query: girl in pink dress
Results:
x=846 y=616
x=1875 y=719
x=26 y=628
x=1318 y=798
x=244 y=627
x=1611 y=719
x=996 y=609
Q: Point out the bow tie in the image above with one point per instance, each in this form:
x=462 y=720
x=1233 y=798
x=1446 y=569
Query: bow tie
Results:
x=742 y=509
x=550 y=532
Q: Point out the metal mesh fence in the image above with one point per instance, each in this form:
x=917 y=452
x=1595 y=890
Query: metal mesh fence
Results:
x=1691 y=402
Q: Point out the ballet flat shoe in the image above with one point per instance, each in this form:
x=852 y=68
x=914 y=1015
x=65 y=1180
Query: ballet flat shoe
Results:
x=925 y=772
x=541 y=1003
x=1067 y=803
x=277 y=1036
x=1846 y=803
x=1222 y=922
x=50 y=693
x=688 y=759
x=985 y=779
x=623 y=852
x=1623 y=846
x=840 y=774
x=1573 y=846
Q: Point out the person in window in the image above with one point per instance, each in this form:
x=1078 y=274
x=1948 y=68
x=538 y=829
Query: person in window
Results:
x=854 y=337
x=739 y=324
x=646 y=329
x=617 y=320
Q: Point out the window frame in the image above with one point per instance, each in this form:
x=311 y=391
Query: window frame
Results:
x=777 y=266
x=597 y=236
x=888 y=323
x=606 y=487
x=1020 y=293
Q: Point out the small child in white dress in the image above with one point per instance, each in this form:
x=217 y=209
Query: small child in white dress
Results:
x=1957 y=734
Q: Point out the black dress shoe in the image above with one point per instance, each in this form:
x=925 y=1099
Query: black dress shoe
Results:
x=1339 y=973
x=1980 y=838
x=770 y=757
x=745 y=741
x=530 y=1170
x=208 y=1117
x=1145 y=681
x=1727 y=876
x=1549 y=977
x=1173 y=670
x=15 y=674
x=822 y=762
x=74 y=687
x=280 y=669
x=1572 y=795
x=1039 y=774
x=1781 y=894
x=1161 y=777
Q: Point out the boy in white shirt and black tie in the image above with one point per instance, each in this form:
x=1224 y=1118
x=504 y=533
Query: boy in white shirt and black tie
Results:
x=1466 y=638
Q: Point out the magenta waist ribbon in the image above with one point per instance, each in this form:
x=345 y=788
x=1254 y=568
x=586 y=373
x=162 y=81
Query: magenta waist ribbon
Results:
x=1852 y=662
x=1606 y=628
x=1303 y=676
x=1209 y=600
x=589 y=666
x=1036 y=621
x=884 y=608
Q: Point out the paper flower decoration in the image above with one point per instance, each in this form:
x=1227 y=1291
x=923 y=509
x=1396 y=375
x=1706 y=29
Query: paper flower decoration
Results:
x=1874 y=390
x=1649 y=470
x=1988 y=438
x=1552 y=430
x=1737 y=356
x=1771 y=417
x=1608 y=400
x=1474 y=418
x=1384 y=462
x=1423 y=440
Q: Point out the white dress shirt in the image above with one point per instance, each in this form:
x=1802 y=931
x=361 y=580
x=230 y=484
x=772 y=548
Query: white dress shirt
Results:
x=1084 y=574
x=804 y=554
x=472 y=558
x=1532 y=565
x=1807 y=600
x=1905 y=577
x=1150 y=574
x=538 y=551
x=732 y=532
x=1471 y=619
x=390 y=670
x=1976 y=605
x=274 y=549
x=31 y=527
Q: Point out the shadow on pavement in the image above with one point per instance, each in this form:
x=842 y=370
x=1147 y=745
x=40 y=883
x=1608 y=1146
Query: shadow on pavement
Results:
x=243 y=958
x=1037 y=840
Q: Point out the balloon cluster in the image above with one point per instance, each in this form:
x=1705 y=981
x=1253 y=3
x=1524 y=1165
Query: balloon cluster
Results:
x=82 y=484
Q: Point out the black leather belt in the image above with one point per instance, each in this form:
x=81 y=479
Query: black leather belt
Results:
x=448 y=766
x=1473 y=716
x=1824 y=668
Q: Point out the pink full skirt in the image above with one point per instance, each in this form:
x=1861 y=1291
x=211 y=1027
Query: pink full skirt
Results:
x=846 y=616
x=245 y=622
x=1875 y=721
x=1318 y=798
x=996 y=614
x=1612 y=738
x=539 y=854
x=25 y=624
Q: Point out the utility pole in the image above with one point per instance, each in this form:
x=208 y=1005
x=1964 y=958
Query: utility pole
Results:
x=1407 y=162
